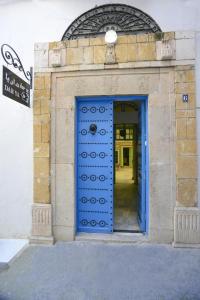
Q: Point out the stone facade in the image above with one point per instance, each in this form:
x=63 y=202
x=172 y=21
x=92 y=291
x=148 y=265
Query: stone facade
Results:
x=41 y=123
x=186 y=155
x=41 y=213
x=159 y=65
x=187 y=227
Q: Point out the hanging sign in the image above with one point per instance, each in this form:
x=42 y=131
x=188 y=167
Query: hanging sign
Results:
x=14 y=87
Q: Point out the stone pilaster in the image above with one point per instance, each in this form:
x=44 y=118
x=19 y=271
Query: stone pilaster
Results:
x=186 y=155
x=41 y=209
x=186 y=214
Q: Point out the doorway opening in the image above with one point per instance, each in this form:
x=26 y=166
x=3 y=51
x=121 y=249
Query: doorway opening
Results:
x=111 y=164
x=126 y=194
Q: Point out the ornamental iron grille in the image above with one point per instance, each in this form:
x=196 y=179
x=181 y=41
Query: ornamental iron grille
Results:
x=124 y=19
x=95 y=166
x=11 y=58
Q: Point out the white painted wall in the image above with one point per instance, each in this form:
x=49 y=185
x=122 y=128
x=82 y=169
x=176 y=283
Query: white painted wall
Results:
x=22 y=23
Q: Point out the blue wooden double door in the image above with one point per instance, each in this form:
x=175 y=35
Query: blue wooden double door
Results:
x=95 y=163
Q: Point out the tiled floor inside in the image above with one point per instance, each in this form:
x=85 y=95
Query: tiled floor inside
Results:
x=125 y=201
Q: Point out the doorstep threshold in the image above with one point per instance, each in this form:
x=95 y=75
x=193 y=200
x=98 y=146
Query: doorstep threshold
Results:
x=115 y=237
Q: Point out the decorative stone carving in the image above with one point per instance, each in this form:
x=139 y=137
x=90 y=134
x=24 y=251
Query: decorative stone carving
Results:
x=165 y=49
x=55 y=58
x=119 y=17
x=187 y=227
x=110 y=54
x=41 y=224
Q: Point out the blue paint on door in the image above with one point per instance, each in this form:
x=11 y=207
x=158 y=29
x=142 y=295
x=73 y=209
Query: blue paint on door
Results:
x=94 y=162
x=95 y=165
x=142 y=143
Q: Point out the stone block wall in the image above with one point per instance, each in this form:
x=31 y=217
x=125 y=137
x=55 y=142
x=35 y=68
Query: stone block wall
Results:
x=90 y=53
x=168 y=59
x=41 y=214
x=41 y=125
x=186 y=155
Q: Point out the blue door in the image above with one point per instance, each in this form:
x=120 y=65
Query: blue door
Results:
x=95 y=165
x=142 y=167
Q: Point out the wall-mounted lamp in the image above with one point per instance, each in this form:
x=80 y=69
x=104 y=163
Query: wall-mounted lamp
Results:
x=110 y=40
x=110 y=37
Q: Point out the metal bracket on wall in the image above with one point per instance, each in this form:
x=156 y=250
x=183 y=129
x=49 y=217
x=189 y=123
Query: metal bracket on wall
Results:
x=11 y=58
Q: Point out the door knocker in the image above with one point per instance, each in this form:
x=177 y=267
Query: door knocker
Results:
x=93 y=128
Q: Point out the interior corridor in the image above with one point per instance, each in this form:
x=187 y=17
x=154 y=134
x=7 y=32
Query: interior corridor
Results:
x=126 y=199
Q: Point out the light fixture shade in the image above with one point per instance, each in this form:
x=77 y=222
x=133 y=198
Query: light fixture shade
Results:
x=110 y=37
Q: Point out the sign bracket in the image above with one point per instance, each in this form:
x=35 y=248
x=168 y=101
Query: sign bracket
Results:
x=14 y=87
x=11 y=57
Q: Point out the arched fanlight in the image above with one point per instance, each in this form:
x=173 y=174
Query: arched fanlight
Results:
x=121 y=18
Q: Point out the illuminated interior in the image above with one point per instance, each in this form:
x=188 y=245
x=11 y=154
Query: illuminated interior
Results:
x=125 y=179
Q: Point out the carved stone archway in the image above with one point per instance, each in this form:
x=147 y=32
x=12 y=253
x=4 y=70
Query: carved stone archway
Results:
x=122 y=18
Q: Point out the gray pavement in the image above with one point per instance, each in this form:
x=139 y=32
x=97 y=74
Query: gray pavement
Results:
x=103 y=271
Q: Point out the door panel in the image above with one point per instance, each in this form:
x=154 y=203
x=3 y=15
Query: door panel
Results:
x=141 y=167
x=95 y=166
